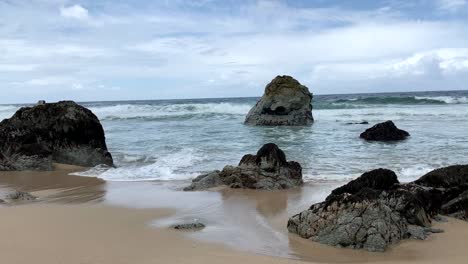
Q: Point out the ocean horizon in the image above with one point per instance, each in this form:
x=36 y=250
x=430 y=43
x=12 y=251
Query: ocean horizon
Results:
x=177 y=140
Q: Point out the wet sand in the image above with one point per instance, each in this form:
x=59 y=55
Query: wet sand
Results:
x=86 y=220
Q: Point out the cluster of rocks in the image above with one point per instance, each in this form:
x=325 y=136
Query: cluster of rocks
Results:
x=267 y=170
x=285 y=102
x=376 y=210
x=64 y=132
x=18 y=196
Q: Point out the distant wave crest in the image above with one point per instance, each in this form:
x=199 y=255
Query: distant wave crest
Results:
x=156 y=112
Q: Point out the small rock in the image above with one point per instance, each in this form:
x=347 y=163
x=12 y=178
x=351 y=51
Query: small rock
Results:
x=433 y=230
x=417 y=232
x=386 y=131
x=189 y=226
x=358 y=123
x=41 y=102
x=21 y=196
x=441 y=219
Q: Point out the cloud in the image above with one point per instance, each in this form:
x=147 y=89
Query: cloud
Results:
x=74 y=11
x=190 y=48
x=451 y=5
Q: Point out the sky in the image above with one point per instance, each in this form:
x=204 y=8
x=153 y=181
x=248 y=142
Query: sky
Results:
x=92 y=50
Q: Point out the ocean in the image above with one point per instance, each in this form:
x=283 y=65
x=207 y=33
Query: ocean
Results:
x=176 y=140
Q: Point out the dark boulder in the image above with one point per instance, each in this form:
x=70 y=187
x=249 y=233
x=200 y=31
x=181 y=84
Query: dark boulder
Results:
x=375 y=210
x=449 y=190
x=371 y=212
x=285 y=102
x=64 y=132
x=386 y=131
x=379 y=179
x=267 y=170
x=448 y=177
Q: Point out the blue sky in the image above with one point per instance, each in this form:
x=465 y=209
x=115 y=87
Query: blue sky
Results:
x=135 y=49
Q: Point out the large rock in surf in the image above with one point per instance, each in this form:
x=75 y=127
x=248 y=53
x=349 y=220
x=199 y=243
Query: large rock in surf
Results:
x=285 y=103
x=386 y=131
x=375 y=210
x=267 y=170
x=64 y=132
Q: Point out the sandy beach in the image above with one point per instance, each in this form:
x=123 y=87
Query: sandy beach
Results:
x=77 y=220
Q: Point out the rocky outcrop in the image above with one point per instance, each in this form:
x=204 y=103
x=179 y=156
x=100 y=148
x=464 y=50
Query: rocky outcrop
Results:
x=375 y=210
x=285 y=103
x=267 y=170
x=386 y=131
x=62 y=132
x=451 y=185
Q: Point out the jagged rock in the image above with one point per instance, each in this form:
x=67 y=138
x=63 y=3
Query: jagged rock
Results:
x=62 y=132
x=20 y=196
x=433 y=230
x=190 y=226
x=448 y=177
x=451 y=185
x=457 y=207
x=386 y=131
x=417 y=232
x=375 y=210
x=440 y=219
x=370 y=212
x=285 y=102
x=267 y=170
x=379 y=179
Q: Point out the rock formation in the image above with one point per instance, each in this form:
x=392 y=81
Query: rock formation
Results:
x=267 y=170
x=375 y=210
x=285 y=103
x=64 y=132
x=386 y=131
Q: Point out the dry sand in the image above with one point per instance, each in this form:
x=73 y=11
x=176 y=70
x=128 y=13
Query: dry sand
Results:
x=70 y=225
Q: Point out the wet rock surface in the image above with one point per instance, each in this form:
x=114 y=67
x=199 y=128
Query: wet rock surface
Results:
x=267 y=170
x=375 y=210
x=386 y=131
x=285 y=102
x=64 y=132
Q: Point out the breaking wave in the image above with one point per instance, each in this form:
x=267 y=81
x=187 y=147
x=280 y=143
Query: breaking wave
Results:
x=155 y=112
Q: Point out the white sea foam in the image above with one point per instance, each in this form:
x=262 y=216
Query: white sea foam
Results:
x=446 y=99
x=129 y=111
x=6 y=111
x=413 y=173
x=172 y=166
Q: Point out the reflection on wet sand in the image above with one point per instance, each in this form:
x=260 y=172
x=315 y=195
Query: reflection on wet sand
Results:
x=247 y=220
x=55 y=186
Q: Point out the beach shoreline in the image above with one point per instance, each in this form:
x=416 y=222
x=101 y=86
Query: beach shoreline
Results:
x=81 y=220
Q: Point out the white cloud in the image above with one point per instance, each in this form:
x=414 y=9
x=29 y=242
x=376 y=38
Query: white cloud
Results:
x=17 y=67
x=74 y=11
x=229 y=49
x=451 y=5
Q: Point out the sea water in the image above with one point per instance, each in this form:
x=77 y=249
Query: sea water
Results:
x=173 y=140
